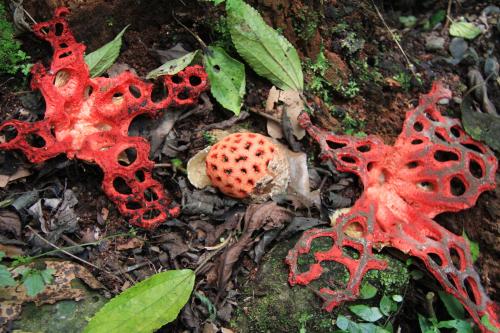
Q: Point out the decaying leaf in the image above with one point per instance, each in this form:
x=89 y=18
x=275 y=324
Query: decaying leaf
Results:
x=464 y=29
x=258 y=217
x=280 y=101
x=10 y=223
x=61 y=288
x=173 y=66
x=19 y=174
x=196 y=171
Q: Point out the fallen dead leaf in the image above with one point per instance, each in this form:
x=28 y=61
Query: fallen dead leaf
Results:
x=196 y=171
x=130 y=244
x=288 y=101
x=10 y=223
x=19 y=174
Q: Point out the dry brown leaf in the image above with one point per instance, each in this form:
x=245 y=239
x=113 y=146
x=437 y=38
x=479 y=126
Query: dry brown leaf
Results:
x=11 y=251
x=196 y=171
x=20 y=173
x=10 y=222
x=278 y=102
x=61 y=288
x=132 y=243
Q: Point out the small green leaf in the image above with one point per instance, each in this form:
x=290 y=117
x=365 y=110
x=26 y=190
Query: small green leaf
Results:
x=104 y=57
x=474 y=247
x=416 y=274
x=34 y=280
x=367 y=291
x=437 y=17
x=342 y=322
x=173 y=66
x=452 y=305
x=208 y=304
x=397 y=298
x=268 y=53
x=6 y=279
x=370 y=314
x=465 y=30
x=485 y=320
x=146 y=306
x=227 y=78
x=387 y=305
x=425 y=325
x=408 y=21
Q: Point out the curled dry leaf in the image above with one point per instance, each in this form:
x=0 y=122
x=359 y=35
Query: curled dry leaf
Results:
x=61 y=288
x=19 y=174
x=196 y=171
x=280 y=101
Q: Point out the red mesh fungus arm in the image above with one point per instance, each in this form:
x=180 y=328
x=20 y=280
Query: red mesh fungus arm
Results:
x=433 y=167
x=88 y=119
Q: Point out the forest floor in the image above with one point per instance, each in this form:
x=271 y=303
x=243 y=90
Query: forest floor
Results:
x=365 y=88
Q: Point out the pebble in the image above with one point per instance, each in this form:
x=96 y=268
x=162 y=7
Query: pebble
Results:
x=434 y=43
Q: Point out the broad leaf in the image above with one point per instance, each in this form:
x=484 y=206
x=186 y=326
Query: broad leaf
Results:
x=387 y=305
x=367 y=291
x=465 y=30
x=146 y=306
x=227 y=78
x=397 y=298
x=460 y=325
x=6 y=277
x=425 y=325
x=34 y=280
x=452 y=305
x=485 y=320
x=263 y=48
x=173 y=66
x=104 y=57
x=365 y=312
x=473 y=246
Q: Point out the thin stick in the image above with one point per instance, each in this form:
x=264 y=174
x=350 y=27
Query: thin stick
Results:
x=202 y=43
x=29 y=16
x=410 y=64
x=448 y=14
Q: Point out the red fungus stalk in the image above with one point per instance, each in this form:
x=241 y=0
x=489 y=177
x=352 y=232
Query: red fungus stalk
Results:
x=434 y=167
x=88 y=119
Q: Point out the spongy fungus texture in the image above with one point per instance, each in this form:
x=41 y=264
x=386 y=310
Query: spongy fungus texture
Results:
x=88 y=119
x=434 y=167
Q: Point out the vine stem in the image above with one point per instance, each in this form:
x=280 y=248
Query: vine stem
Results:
x=198 y=39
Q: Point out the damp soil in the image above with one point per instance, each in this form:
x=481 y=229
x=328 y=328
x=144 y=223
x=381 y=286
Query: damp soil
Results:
x=378 y=105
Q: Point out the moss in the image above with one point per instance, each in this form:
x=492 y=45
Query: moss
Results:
x=305 y=23
x=268 y=304
x=12 y=58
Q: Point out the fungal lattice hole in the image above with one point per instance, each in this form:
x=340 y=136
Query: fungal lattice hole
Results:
x=470 y=286
x=436 y=258
x=183 y=95
x=259 y=153
x=440 y=136
x=472 y=147
x=416 y=142
x=140 y=176
x=455 y=258
x=457 y=186
x=335 y=145
x=151 y=214
x=35 y=140
x=256 y=168
x=228 y=171
x=412 y=165
x=59 y=29
x=418 y=126
x=241 y=158
x=428 y=114
x=364 y=148
x=475 y=169
x=244 y=171
x=134 y=91
x=117 y=98
x=455 y=131
x=159 y=92
x=121 y=186
x=61 y=79
x=319 y=244
x=150 y=195
x=176 y=79
x=63 y=45
x=426 y=186
x=445 y=156
x=370 y=166
x=348 y=159
x=225 y=158
x=133 y=205
x=248 y=145
x=88 y=92
x=127 y=156
x=8 y=133
x=194 y=80
x=351 y=252
x=65 y=54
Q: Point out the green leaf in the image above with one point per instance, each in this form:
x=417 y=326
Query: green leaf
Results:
x=370 y=314
x=6 y=277
x=263 y=48
x=173 y=66
x=408 y=21
x=342 y=322
x=474 y=247
x=371 y=328
x=146 y=306
x=437 y=17
x=465 y=30
x=460 y=325
x=387 y=305
x=452 y=305
x=208 y=304
x=34 y=280
x=104 y=57
x=227 y=78
x=397 y=298
x=367 y=291
x=485 y=320
x=425 y=325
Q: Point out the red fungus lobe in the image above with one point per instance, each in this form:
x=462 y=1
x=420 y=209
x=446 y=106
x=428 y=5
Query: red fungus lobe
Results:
x=88 y=119
x=434 y=167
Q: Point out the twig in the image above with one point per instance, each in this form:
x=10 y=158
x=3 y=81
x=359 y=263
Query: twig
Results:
x=448 y=14
x=213 y=254
x=411 y=67
x=198 y=39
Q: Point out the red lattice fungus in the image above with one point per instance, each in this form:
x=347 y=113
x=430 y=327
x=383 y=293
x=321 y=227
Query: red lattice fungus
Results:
x=88 y=118
x=433 y=167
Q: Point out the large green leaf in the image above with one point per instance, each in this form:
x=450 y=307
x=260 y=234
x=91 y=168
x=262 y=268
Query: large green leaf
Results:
x=147 y=306
x=227 y=78
x=104 y=57
x=454 y=307
x=173 y=66
x=263 y=48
